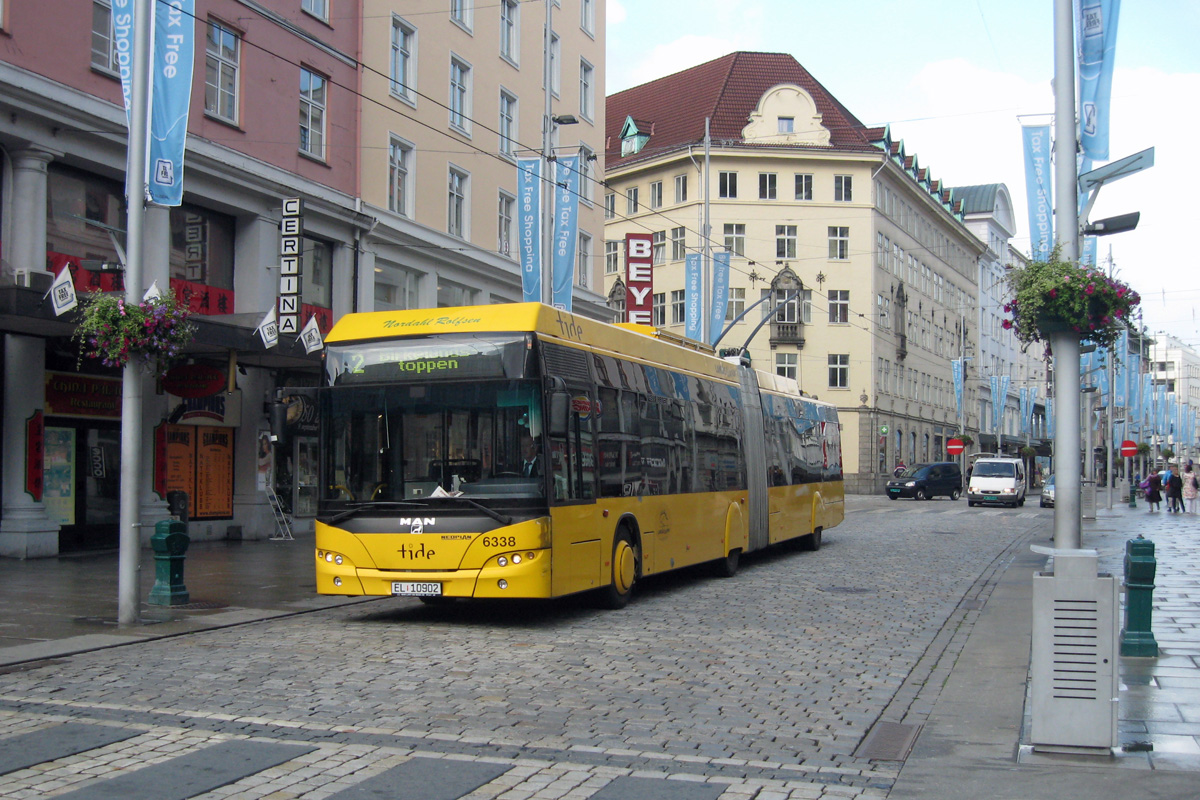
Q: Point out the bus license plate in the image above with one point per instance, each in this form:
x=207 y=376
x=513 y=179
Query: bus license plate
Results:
x=414 y=589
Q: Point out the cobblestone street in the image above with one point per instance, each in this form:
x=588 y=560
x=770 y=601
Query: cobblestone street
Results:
x=761 y=686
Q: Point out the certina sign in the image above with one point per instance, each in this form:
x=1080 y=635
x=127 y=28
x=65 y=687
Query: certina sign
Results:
x=639 y=278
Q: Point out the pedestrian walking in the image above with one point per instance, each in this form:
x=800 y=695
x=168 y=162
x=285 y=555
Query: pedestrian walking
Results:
x=1153 y=487
x=1174 y=486
x=1191 y=488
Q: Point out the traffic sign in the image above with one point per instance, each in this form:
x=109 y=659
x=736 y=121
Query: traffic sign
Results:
x=1128 y=448
x=955 y=446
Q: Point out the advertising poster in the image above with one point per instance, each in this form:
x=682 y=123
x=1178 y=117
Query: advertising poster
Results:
x=214 y=473
x=59 y=487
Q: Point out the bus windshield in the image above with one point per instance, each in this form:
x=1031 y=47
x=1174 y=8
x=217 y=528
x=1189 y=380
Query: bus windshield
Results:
x=407 y=442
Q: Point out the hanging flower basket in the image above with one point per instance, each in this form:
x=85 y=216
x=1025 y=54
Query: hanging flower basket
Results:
x=1057 y=296
x=153 y=332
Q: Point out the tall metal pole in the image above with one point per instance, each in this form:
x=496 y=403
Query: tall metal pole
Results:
x=1067 y=522
x=129 y=537
x=705 y=300
x=548 y=177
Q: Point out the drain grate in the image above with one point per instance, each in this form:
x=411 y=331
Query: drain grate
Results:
x=888 y=741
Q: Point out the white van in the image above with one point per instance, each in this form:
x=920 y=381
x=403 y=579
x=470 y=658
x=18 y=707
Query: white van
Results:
x=997 y=480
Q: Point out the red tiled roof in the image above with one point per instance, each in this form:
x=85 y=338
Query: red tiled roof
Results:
x=727 y=90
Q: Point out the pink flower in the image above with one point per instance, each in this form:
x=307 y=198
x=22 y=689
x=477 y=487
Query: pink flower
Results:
x=1007 y=324
x=1091 y=289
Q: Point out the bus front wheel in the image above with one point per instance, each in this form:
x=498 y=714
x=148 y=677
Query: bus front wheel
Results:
x=811 y=542
x=624 y=572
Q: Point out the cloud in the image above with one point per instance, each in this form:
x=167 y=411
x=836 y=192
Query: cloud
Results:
x=614 y=13
x=668 y=58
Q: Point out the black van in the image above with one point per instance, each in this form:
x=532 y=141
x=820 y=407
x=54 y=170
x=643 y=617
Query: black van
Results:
x=924 y=481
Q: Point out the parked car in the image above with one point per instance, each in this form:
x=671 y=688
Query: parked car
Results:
x=1048 y=493
x=925 y=481
x=997 y=480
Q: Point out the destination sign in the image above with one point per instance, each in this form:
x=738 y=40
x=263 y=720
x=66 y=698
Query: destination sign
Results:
x=427 y=359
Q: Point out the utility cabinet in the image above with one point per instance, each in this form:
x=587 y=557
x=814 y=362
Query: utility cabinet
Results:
x=1074 y=668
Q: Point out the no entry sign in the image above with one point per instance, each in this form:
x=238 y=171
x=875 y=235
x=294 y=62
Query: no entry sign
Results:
x=955 y=446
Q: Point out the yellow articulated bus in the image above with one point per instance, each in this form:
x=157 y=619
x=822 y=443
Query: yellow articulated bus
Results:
x=519 y=451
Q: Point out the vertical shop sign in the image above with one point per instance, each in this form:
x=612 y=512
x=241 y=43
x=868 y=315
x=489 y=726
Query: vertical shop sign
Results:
x=639 y=278
x=214 y=473
x=291 y=251
x=35 y=453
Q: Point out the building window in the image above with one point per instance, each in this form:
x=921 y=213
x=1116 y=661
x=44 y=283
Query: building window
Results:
x=678 y=244
x=786 y=311
x=460 y=95
x=404 y=60
x=677 y=307
x=727 y=185
x=400 y=157
x=554 y=61
x=318 y=8
x=787 y=124
x=587 y=16
x=659 y=251
x=510 y=26
x=841 y=188
x=610 y=205
x=681 y=188
x=839 y=243
x=317 y=265
x=395 y=289
x=883 y=308
x=656 y=194
x=839 y=305
x=612 y=257
x=456 y=220
x=735 y=238
x=587 y=89
x=460 y=12
x=806 y=306
x=504 y=223
x=202 y=252
x=584 y=259
x=785 y=241
x=104 y=55
x=839 y=370
x=223 y=49
x=451 y=295
x=803 y=186
x=508 y=124
x=766 y=185
x=631 y=200
x=736 y=304
x=660 y=310
x=312 y=113
x=587 y=162
x=786 y=365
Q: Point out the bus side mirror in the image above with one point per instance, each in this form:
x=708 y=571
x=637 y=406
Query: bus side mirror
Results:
x=560 y=404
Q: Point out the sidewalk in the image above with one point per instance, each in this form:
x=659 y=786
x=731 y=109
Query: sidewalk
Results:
x=975 y=741
x=58 y=606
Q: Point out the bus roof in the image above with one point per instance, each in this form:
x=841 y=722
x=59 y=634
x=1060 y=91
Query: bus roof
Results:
x=642 y=342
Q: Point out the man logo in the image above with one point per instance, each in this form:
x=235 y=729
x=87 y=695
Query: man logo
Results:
x=417 y=527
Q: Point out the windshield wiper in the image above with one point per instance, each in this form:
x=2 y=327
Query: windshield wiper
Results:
x=503 y=519
x=357 y=507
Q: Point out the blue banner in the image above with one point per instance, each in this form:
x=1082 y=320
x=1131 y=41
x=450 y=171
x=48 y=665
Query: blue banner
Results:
x=957 y=366
x=1023 y=405
x=566 y=228
x=171 y=55
x=1087 y=246
x=1161 y=400
x=720 y=295
x=1122 y=370
x=691 y=285
x=1033 y=398
x=529 y=227
x=1037 y=189
x=1097 y=51
x=174 y=41
x=1148 y=418
x=1049 y=417
x=1000 y=385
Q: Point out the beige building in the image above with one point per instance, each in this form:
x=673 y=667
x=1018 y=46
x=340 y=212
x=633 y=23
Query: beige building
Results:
x=868 y=270
x=453 y=93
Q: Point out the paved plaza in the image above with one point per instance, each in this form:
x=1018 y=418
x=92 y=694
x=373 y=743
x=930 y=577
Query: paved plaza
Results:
x=892 y=663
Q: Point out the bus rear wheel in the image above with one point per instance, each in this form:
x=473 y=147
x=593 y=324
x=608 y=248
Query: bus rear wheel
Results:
x=624 y=572
x=727 y=567
x=811 y=542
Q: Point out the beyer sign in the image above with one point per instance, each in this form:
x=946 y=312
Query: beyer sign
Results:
x=639 y=278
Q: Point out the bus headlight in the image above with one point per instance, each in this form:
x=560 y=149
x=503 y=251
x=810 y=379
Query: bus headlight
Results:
x=516 y=558
x=503 y=584
x=502 y=561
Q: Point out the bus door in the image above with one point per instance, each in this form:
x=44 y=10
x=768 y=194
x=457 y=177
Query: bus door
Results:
x=754 y=445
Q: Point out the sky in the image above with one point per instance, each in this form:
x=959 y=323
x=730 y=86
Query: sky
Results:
x=955 y=79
